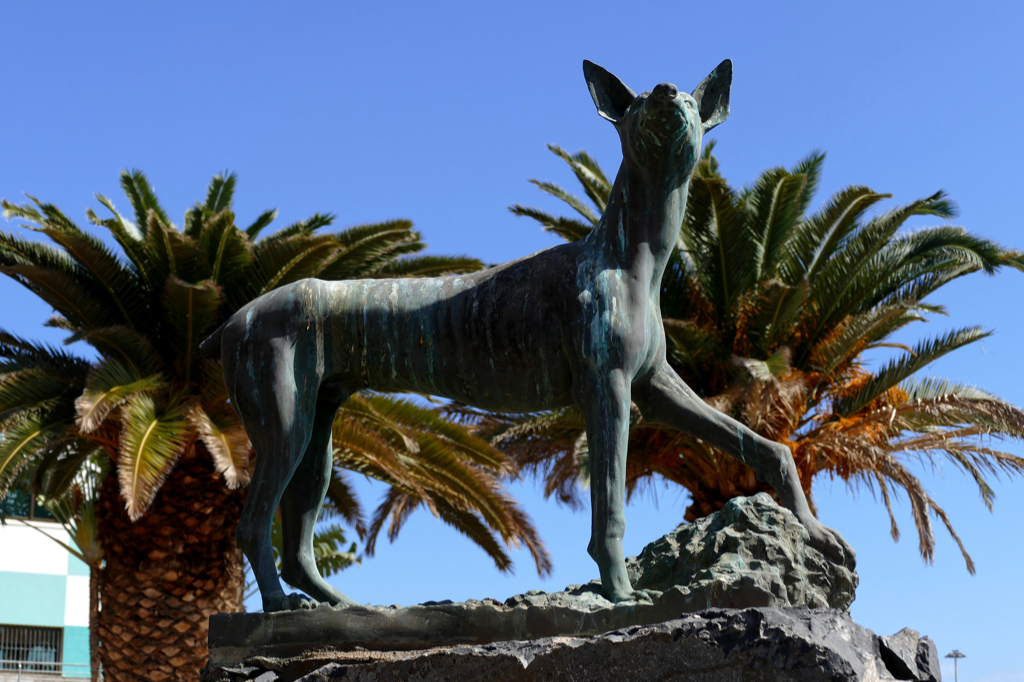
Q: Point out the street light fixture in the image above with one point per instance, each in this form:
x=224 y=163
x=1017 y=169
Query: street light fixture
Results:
x=955 y=655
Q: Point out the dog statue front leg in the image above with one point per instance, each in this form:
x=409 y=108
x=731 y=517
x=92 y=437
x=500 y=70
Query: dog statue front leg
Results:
x=605 y=402
x=664 y=398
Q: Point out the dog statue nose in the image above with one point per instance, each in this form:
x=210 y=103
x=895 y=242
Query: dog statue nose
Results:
x=666 y=90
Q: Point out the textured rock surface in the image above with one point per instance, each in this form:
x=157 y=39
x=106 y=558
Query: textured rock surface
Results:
x=910 y=656
x=751 y=553
x=719 y=645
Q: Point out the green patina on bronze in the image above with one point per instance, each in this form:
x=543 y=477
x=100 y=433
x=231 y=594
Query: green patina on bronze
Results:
x=578 y=323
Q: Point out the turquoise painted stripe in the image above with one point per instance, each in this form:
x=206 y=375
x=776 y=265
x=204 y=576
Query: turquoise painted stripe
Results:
x=32 y=599
x=76 y=650
x=76 y=566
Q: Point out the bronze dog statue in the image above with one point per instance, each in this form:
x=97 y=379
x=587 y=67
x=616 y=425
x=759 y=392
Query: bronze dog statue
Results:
x=577 y=323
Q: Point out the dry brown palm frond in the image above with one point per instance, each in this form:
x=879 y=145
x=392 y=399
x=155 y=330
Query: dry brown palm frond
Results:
x=939 y=512
x=989 y=413
x=226 y=441
x=884 y=468
x=883 y=487
x=364 y=450
x=774 y=407
x=457 y=476
x=395 y=509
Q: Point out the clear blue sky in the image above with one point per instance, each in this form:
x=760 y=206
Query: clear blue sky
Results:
x=439 y=112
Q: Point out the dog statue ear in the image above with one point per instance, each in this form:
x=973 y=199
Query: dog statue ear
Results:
x=611 y=95
x=712 y=96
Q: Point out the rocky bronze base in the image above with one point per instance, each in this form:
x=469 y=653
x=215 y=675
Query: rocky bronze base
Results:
x=719 y=645
x=752 y=553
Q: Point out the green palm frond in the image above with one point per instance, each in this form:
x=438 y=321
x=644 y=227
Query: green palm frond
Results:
x=366 y=451
x=195 y=221
x=66 y=281
x=691 y=345
x=120 y=289
x=151 y=440
x=302 y=228
x=410 y=421
x=30 y=389
x=451 y=472
x=128 y=346
x=930 y=388
x=569 y=229
x=170 y=253
x=811 y=167
x=470 y=525
x=77 y=458
x=395 y=509
x=220 y=192
x=284 y=261
x=822 y=233
x=17 y=251
x=365 y=248
x=110 y=383
x=64 y=294
x=192 y=313
x=776 y=309
x=262 y=221
x=573 y=201
x=774 y=212
x=934 y=402
x=428 y=266
x=125 y=233
x=588 y=172
x=857 y=333
x=227 y=249
x=17 y=354
x=896 y=371
x=22 y=439
x=78 y=517
x=140 y=194
x=715 y=235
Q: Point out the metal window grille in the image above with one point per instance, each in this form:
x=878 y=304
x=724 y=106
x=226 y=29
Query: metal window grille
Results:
x=30 y=648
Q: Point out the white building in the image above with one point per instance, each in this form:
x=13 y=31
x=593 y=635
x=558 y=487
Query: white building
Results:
x=44 y=598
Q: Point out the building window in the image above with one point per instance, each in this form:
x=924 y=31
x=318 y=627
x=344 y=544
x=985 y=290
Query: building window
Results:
x=30 y=649
x=20 y=504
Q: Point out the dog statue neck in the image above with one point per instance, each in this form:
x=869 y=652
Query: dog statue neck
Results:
x=642 y=219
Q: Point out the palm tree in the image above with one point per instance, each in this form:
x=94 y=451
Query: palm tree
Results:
x=768 y=312
x=155 y=411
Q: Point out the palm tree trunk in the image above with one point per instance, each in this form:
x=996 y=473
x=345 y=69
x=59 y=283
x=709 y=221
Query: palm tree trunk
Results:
x=94 y=616
x=167 y=573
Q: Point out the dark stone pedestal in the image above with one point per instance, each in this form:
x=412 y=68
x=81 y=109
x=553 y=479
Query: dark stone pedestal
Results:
x=717 y=645
x=762 y=605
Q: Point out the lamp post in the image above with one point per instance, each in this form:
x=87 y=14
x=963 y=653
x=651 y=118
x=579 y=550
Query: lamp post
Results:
x=955 y=655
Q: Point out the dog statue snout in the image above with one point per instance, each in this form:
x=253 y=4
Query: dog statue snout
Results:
x=666 y=90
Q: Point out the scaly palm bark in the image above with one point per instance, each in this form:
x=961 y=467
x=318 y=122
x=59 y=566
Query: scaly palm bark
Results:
x=769 y=310
x=168 y=572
